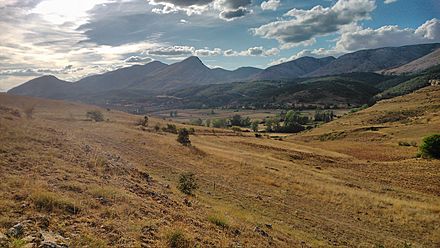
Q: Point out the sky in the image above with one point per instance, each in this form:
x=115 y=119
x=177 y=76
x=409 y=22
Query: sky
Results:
x=74 y=39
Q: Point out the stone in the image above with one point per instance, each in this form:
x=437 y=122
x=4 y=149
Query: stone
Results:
x=51 y=240
x=16 y=231
x=3 y=240
x=261 y=232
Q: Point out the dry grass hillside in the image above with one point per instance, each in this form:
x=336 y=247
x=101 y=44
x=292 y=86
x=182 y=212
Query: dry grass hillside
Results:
x=114 y=184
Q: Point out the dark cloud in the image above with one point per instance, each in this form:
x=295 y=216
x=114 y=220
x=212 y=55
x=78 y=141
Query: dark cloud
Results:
x=234 y=14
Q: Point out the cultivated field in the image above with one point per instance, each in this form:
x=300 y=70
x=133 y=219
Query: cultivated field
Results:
x=347 y=183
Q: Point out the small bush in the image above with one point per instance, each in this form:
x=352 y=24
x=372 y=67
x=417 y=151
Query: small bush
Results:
x=143 y=122
x=187 y=183
x=95 y=115
x=183 y=137
x=177 y=239
x=157 y=127
x=170 y=128
x=49 y=201
x=430 y=147
x=218 y=221
x=17 y=243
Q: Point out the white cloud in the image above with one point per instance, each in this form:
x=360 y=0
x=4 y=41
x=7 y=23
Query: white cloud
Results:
x=227 y=9
x=253 y=51
x=365 y=38
x=389 y=1
x=304 y=25
x=317 y=53
x=270 y=5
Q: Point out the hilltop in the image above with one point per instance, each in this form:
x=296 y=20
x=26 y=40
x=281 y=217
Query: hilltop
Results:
x=114 y=184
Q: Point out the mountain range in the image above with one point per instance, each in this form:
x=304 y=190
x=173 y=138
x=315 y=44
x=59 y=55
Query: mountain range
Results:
x=157 y=79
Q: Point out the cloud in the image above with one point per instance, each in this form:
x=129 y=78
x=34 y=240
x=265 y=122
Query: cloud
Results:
x=137 y=60
x=270 y=5
x=317 y=53
x=230 y=15
x=367 y=38
x=304 y=25
x=389 y=1
x=253 y=51
x=39 y=71
x=173 y=51
x=228 y=9
x=206 y=52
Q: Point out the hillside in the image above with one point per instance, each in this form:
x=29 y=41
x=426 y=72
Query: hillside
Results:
x=113 y=184
x=411 y=83
x=375 y=59
x=293 y=69
x=344 y=90
x=417 y=65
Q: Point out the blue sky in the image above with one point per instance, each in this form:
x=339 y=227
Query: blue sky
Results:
x=73 y=39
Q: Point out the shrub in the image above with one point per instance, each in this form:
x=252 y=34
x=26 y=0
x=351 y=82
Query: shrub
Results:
x=143 y=122
x=157 y=127
x=95 y=115
x=49 y=201
x=218 y=123
x=197 y=122
x=187 y=183
x=430 y=147
x=254 y=126
x=183 y=137
x=177 y=239
x=170 y=128
x=218 y=221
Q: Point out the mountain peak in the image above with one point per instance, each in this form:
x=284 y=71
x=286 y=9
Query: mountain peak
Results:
x=193 y=60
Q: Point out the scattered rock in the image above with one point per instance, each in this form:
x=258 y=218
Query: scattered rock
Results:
x=261 y=231
x=3 y=240
x=16 y=231
x=146 y=176
x=51 y=240
x=187 y=202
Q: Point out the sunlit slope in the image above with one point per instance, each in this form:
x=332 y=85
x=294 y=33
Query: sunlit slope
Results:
x=270 y=193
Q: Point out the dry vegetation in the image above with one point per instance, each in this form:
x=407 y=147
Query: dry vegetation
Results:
x=114 y=184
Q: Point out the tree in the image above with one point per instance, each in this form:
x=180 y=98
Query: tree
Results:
x=254 y=126
x=187 y=183
x=430 y=147
x=197 y=122
x=219 y=123
x=236 y=120
x=183 y=137
x=95 y=115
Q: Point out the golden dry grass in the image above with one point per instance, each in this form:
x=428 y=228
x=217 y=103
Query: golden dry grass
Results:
x=357 y=188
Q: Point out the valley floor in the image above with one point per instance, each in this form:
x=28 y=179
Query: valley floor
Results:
x=347 y=183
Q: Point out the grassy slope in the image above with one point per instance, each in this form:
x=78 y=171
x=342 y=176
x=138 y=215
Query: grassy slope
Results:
x=358 y=189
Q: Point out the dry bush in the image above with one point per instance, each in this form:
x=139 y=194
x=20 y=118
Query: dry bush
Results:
x=178 y=239
x=50 y=201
